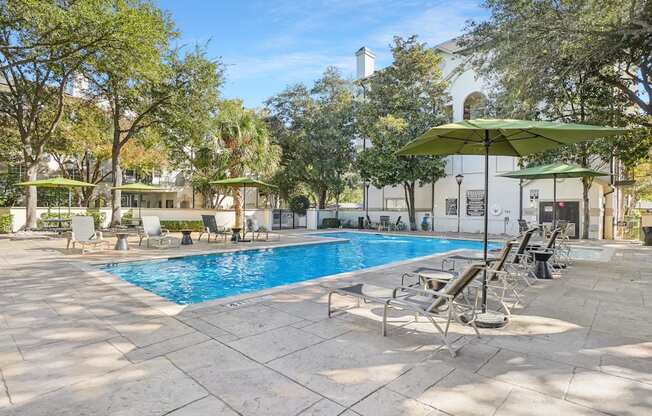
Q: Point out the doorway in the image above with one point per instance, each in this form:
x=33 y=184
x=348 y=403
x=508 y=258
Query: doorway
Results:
x=566 y=210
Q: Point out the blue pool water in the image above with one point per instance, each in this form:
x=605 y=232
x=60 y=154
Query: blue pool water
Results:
x=193 y=279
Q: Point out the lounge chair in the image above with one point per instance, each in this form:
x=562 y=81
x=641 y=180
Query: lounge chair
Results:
x=384 y=224
x=83 y=233
x=155 y=235
x=256 y=230
x=447 y=304
x=370 y=225
x=211 y=228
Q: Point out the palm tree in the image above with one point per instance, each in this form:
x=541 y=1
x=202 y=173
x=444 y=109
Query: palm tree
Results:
x=245 y=140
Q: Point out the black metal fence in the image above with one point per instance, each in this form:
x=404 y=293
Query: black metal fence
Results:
x=285 y=219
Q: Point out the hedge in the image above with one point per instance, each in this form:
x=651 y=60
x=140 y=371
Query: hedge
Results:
x=5 y=223
x=182 y=225
x=331 y=223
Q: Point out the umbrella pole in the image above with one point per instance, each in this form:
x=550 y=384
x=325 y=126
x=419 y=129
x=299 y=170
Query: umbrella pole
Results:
x=554 y=202
x=69 y=201
x=244 y=214
x=487 y=143
x=140 y=205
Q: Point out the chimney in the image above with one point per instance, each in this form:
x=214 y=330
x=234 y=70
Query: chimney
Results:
x=364 y=62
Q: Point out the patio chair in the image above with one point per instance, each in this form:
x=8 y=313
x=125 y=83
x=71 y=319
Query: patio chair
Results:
x=211 y=228
x=256 y=230
x=155 y=235
x=370 y=225
x=398 y=225
x=384 y=224
x=83 y=233
x=447 y=304
x=522 y=227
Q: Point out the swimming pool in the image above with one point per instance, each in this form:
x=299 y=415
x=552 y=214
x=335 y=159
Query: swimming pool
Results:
x=193 y=279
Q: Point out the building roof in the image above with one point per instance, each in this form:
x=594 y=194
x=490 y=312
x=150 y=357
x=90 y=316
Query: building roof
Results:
x=450 y=46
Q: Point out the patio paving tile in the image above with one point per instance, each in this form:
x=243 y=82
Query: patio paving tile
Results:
x=324 y=407
x=610 y=394
x=388 y=403
x=28 y=379
x=154 y=387
x=275 y=343
x=348 y=368
x=528 y=403
x=250 y=320
x=165 y=347
x=530 y=372
x=245 y=385
x=209 y=405
x=143 y=333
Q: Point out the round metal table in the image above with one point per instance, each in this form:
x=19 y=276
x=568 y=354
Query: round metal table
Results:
x=541 y=269
x=186 y=240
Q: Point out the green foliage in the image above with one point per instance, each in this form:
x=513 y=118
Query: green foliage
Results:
x=98 y=217
x=299 y=204
x=182 y=225
x=401 y=102
x=315 y=128
x=9 y=192
x=5 y=223
x=331 y=223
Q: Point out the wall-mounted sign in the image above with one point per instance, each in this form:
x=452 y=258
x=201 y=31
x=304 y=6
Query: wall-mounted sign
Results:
x=534 y=194
x=475 y=203
x=451 y=206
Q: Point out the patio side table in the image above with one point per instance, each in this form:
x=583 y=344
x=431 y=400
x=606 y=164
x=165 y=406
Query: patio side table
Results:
x=541 y=269
x=186 y=240
x=121 y=244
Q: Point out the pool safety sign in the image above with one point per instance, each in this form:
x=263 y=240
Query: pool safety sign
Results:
x=475 y=203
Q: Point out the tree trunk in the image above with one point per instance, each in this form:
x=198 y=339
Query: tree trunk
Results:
x=409 y=201
x=30 y=194
x=116 y=200
x=586 y=212
x=237 y=205
x=321 y=202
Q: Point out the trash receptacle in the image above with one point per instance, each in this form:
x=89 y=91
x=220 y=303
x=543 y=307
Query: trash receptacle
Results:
x=647 y=234
x=360 y=222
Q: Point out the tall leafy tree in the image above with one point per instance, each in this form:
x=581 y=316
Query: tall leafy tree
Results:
x=42 y=45
x=315 y=128
x=401 y=102
x=566 y=80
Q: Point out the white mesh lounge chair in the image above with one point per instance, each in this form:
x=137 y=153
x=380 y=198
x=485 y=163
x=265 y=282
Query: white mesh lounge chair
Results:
x=83 y=233
x=445 y=305
x=155 y=235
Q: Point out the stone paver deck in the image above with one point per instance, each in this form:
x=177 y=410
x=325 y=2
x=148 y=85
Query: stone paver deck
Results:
x=76 y=342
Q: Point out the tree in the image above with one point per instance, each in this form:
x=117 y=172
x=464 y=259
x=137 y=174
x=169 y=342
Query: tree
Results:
x=609 y=41
x=553 y=82
x=244 y=140
x=401 y=102
x=42 y=45
x=135 y=81
x=315 y=128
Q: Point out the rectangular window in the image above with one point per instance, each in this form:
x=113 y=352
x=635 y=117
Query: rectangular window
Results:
x=169 y=203
x=395 y=203
x=475 y=203
x=451 y=206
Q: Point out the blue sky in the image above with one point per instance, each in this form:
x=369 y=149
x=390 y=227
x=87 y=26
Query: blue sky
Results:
x=268 y=45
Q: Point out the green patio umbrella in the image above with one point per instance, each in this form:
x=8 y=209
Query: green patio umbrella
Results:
x=553 y=171
x=138 y=188
x=244 y=183
x=501 y=137
x=60 y=183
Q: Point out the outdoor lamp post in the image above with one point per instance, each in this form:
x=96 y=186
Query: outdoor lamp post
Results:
x=459 y=178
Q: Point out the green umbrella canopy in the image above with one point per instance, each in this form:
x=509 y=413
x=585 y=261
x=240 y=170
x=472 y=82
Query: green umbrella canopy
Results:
x=243 y=182
x=138 y=187
x=57 y=182
x=506 y=137
x=554 y=170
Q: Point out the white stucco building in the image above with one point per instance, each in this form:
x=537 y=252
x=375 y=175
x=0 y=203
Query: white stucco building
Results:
x=468 y=93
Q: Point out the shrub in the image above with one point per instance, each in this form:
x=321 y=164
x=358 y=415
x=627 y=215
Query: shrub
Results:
x=5 y=223
x=98 y=218
x=182 y=225
x=331 y=223
x=299 y=204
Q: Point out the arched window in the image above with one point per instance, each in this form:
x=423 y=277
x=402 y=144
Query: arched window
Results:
x=475 y=105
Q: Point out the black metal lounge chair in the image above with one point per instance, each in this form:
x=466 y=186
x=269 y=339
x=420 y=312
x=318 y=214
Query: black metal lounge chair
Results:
x=211 y=228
